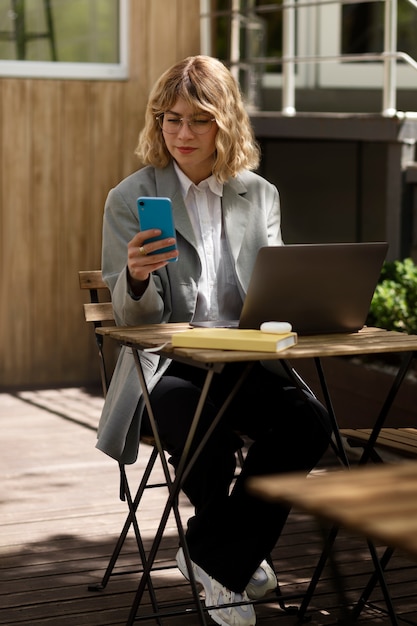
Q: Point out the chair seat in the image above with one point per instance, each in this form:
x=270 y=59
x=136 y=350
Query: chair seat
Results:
x=398 y=440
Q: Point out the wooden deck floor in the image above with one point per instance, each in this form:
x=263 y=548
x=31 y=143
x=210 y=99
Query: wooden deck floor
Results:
x=60 y=517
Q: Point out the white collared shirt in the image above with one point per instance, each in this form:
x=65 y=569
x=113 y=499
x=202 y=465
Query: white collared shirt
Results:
x=218 y=296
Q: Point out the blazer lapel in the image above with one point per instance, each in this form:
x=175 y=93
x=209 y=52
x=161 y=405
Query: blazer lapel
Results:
x=236 y=213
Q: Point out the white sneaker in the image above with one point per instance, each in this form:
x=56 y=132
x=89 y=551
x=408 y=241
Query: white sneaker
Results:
x=262 y=581
x=217 y=594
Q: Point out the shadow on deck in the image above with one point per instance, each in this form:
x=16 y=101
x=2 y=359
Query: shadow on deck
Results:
x=61 y=517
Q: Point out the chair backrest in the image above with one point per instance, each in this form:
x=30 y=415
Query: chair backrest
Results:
x=99 y=312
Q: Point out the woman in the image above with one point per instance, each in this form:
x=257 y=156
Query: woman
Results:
x=198 y=148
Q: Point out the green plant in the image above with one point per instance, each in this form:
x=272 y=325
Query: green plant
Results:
x=394 y=304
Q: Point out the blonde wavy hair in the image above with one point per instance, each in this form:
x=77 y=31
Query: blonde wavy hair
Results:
x=206 y=85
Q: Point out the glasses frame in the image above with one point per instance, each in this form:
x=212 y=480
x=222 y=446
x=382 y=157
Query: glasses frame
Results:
x=181 y=121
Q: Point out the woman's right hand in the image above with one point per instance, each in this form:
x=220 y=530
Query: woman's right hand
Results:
x=141 y=263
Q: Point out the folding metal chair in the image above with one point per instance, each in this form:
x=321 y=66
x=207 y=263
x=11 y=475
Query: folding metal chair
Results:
x=99 y=312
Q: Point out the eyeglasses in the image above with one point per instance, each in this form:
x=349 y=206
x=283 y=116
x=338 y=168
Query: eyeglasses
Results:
x=200 y=124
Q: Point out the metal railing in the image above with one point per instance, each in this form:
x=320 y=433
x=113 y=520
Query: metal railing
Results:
x=389 y=57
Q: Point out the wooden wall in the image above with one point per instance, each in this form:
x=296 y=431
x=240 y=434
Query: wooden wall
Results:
x=63 y=145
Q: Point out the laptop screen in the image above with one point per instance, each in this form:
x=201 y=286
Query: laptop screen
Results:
x=318 y=288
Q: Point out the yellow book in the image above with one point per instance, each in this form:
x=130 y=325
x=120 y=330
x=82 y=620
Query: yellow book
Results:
x=233 y=339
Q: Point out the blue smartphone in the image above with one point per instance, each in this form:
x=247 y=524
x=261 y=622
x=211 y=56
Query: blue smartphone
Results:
x=157 y=213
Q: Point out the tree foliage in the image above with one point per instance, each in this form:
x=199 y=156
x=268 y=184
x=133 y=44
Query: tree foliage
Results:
x=394 y=304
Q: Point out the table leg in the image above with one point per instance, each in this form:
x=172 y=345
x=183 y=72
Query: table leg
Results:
x=392 y=394
x=383 y=563
x=380 y=565
x=299 y=383
x=174 y=487
x=329 y=405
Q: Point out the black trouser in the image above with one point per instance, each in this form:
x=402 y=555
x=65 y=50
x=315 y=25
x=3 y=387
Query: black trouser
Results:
x=231 y=534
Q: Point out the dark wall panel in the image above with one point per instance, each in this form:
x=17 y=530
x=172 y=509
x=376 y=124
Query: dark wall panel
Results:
x=318 y=184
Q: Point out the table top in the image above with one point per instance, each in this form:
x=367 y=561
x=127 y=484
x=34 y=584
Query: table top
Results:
x=375 y=501
x=366 y=341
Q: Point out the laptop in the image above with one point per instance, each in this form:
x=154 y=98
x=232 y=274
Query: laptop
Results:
x=318 y=288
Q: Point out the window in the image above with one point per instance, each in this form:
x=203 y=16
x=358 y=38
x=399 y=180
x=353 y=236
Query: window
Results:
x=359 y=28
x=64 y=38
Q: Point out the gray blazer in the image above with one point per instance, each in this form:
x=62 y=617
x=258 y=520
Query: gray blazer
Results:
x=252 y=219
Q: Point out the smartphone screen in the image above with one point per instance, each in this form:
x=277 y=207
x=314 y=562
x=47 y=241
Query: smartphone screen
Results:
x=157 y=213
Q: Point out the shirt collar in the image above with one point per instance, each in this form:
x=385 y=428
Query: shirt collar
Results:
x=211 y=182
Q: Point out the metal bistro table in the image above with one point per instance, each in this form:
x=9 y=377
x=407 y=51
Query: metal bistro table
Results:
x=157 y=337
x=378 y=502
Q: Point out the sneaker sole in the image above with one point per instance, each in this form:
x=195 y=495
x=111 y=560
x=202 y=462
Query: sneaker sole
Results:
x=268 y=588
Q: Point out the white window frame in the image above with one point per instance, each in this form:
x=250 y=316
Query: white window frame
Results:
x=358 y=75
x=83 y=71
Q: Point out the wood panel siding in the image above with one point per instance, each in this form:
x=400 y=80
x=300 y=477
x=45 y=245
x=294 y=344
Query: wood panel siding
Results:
x=63 y=145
